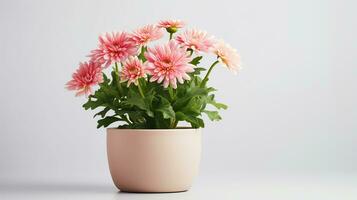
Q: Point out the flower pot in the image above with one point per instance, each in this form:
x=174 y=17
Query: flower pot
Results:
x=153 y=160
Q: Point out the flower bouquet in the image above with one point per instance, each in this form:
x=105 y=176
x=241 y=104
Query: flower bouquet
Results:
x=153 y=87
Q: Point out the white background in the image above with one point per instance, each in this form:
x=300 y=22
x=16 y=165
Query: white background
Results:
x=292 y=109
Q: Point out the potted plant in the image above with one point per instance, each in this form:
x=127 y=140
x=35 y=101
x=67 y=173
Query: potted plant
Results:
x=150 y=89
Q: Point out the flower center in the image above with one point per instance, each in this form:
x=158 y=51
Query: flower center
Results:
x=88 y=78
x=167 y=64
x=133 y=70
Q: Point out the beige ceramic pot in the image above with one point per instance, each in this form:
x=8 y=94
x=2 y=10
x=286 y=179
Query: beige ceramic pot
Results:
x=153 y=160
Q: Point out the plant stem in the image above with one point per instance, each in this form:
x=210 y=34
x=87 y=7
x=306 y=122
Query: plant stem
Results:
x=141 y=55
x=118 y=82
x=140 y=90
x=116 y=68
x=171 y=93
x=205 y=79
x=171 y=34
x=173 y=123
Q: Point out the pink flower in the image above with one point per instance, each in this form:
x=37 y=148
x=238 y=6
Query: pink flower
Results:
x=168 y=63
x=227 y=55
x=133 y=70
x=195 y=40
x=146 y=34
x=171 y=25
x=113 y=47
x=89 y=74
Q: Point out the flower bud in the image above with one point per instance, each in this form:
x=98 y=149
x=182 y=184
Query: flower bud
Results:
x=171 y=29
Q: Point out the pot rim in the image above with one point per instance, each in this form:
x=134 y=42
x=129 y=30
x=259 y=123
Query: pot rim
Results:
x=156 y=129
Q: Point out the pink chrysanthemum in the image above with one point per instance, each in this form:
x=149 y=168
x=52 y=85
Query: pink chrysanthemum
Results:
x=88 y=75
x=195 y=40
x=113 y=47
x=227 y=55
x=168 y=64
x=171 y=24
x=133 y=70
x=146 y=34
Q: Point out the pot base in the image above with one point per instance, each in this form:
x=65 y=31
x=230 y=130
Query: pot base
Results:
x=155 y=192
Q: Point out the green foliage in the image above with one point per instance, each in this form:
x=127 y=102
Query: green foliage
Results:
x=196 y=60
x=141 y=55
x=165 y=108
x=158 y=107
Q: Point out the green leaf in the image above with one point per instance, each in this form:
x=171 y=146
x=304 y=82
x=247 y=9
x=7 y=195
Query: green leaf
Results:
x=165 y=108
x=90 y=104
x=103 y=112
x=211 y=89
x=196 y=60
x=135 y=99
x=105 y=80
x=142 y=54
x=105 y=122
x=194 y=105
x=195 y=122
x=198 y=70
x=213 y=115
x=188 y=95
x=210 y=100
x=219 y=105
x=135 y=116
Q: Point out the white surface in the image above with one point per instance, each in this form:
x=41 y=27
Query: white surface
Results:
x=247 y=187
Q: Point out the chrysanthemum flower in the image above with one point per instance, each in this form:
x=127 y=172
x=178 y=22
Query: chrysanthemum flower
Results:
x=171 y=25
x=146 y=34
x=88 y=75
x=113 y=47
x=195 y=40
x=168 y=64
x=133 y=69
x=227 y=55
